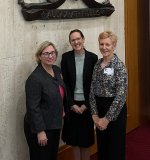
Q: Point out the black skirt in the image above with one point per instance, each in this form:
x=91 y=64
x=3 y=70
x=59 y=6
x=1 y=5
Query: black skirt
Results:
x=78 y=130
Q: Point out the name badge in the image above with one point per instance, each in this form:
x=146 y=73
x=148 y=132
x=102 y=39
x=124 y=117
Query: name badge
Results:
x=109 y=71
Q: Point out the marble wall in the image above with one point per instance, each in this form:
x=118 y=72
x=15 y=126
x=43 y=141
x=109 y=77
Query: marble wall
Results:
x=18 y=43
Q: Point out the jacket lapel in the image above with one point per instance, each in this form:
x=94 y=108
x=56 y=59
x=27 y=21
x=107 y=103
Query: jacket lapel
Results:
x=72 y=68
x=85 y=67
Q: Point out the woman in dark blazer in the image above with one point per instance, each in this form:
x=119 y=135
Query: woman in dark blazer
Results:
x=77 y=68
x=45 y=101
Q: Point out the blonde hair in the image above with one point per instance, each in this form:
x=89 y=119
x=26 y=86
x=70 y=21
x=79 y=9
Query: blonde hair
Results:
x=42 y=47
x=108 y=34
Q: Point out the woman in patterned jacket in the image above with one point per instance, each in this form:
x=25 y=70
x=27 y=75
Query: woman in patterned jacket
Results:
x=107 y=100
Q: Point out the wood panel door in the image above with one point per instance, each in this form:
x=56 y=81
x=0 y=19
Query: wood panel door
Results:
x=132 y=62
x=144 y=58
x=137 y=51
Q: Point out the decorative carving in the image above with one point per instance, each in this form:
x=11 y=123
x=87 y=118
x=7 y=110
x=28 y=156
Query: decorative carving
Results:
x=48 y=10
x=43 y=5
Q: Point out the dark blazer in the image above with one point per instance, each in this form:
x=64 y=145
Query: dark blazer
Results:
x=69 y=74
x=43 y=100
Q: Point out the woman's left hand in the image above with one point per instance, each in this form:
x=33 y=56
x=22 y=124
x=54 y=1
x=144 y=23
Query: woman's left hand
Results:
x=83 y=108
x=42 y=138
x=103 y=123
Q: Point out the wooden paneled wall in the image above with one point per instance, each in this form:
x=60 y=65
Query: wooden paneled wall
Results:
x=137 y=60
x=132 y=62
x=144 y=58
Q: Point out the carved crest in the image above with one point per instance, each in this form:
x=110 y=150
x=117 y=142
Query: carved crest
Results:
x=49 y=10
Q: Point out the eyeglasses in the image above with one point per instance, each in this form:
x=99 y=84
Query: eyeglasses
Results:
x=47 y=54
x=77 y=39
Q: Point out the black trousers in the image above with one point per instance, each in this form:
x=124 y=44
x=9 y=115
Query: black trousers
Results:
x=37 y=152
x=111 y=142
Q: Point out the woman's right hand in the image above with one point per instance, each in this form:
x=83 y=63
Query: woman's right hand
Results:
x=42 y=138
x=76 y=109
x=100 y=123
x=95 y=120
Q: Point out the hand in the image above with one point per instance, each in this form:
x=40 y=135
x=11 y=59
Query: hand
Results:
x=42 y=138
x=83 y=108
x=76 y=109
x=100 y=123
x=96 y=120
x=103 y=123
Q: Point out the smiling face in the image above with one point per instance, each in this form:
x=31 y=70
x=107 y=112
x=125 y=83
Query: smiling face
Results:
x=107 y=44
x=106 y=47
x=48 y=56
x=77 y=42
